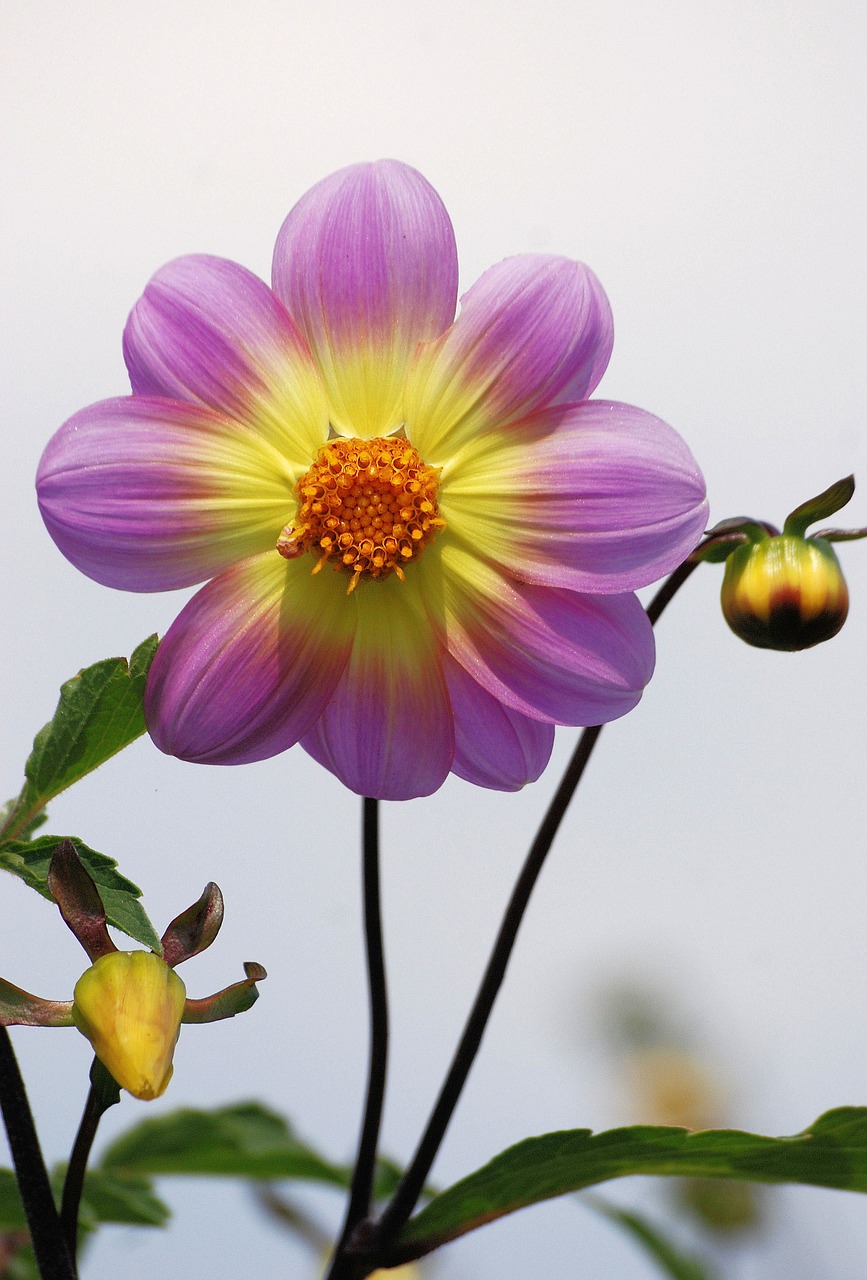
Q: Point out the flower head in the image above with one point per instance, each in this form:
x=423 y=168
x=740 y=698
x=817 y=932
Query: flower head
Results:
x=784 y=593
x=419 y=538
x=129 y=1004
x=784 y=590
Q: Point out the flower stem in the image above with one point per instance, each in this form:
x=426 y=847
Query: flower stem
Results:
x=53 y=1256
x=361 y=1190
x=405 y=1198
x=104 y=1093
x=413 y=1181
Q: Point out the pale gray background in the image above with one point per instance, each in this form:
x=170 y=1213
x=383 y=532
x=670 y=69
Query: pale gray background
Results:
x=709 y=162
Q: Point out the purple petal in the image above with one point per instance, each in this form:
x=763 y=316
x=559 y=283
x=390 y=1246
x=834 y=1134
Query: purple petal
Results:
x=533 y=331
x=208 y=331
x=495 y=746
x=388 y=731
x=549 y=653
x=367 y=265
x=149 y=495
x=597 y=497
x=250 y=663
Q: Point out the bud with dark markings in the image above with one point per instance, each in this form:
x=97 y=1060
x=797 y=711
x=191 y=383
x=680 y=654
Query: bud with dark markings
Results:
x=784 y=590
x=784 y=593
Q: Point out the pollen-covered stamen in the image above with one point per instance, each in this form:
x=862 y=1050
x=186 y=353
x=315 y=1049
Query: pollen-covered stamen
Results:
x=369 y=506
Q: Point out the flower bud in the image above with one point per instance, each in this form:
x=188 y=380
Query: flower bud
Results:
x=129 y=1005
x=784 y=592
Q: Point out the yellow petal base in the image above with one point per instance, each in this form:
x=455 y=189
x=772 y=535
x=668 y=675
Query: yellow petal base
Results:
x=129 y=1005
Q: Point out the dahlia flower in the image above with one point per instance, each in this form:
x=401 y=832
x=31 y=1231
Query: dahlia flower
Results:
x=418 y=536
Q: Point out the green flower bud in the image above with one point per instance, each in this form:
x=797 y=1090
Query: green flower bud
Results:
x=784 y=592
x=129 y=1005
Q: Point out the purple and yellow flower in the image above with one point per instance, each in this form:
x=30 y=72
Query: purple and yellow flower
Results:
x=419 y=538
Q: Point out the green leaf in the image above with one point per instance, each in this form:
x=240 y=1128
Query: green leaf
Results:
x=831 y=1153
x=22 y=1266
x=11 y=1209
x=721 y=1204
x=125 y=1198
x=25 y=831
x=30 y=860
x=241 y=1141
x=99 y=713
x=672 y=1262
x=388 y=1176
x=245 y=1140
x=108 y=1197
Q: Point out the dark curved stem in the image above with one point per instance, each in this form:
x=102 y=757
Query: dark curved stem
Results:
x=53 y=1256
x=413 y=1180
x=670 y=588
x=103 y=1094
x=361 y=1189
x=412 y=1183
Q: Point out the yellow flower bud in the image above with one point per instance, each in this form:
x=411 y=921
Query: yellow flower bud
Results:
x=129 y=1004
x=784 y=592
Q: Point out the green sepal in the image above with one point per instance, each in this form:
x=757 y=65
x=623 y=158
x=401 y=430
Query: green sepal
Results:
x=669 y=1258
x=725 y=537
x=77 y=897
x=106 y=1089
x=839 y=535
x=99 y=713
x=716 y=550
x=237 y=998
x=195 y=929
x=19 y=1008
x=30 y=861
x=820 y=507
x=831 y=1153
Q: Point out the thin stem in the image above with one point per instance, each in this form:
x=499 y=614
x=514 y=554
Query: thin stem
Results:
x=103 y=1094
x=361 y=1190
x=53 y=1257
x=412 y=1183
x=291 y=1216
x=670 y=588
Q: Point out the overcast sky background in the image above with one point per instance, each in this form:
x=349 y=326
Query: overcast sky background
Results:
x=708 y=161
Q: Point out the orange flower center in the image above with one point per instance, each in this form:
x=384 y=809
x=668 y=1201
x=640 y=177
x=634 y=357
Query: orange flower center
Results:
x=369 y=506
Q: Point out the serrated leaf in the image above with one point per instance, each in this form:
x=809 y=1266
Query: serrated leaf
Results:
x=671 y=1260
x=831 y=1153
x=99 y=713
x=30 y=860
x=242 y=1141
